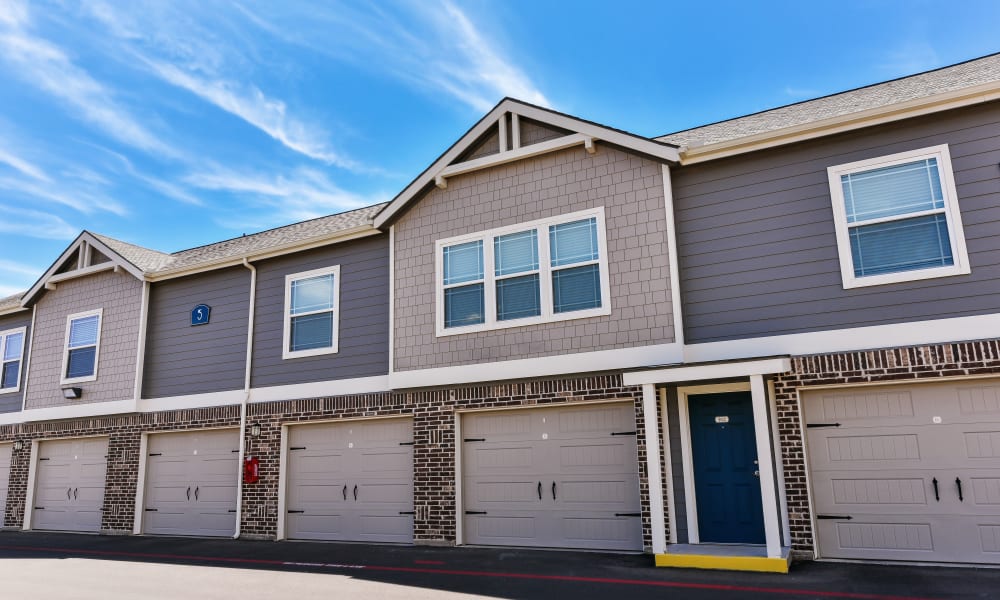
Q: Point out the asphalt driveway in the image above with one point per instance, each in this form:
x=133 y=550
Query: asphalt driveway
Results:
x=54 y=565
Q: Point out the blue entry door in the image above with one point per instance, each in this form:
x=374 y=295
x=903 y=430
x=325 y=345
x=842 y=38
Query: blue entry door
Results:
x=724 y=451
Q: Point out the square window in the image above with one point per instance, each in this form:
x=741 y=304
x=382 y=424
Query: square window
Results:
x=82 y=350
x=312 y=313
x=897 y=218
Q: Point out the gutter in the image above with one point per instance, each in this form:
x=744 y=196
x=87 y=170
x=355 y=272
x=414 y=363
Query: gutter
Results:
x=246 y=398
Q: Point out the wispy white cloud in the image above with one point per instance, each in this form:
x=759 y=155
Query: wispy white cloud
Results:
x=304 y=193
x=22 y=165
x=124 y=166
x=81 y=197
x=47 y=67
x=37 y=224
x=434 y=46
x=16 y=268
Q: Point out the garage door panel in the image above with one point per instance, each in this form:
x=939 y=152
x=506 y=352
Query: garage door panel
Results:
x=599 y=456
x=385 y=528
x=318 y=526
x=396 y=493
x=502 y=426
x=599 y=422
x=321 y=466
x=317 y=493
x=611 y=533
x=386 y=462
x=505 y=529
x=69 y=484
x=499 y=458
x=592 y=491
x=487 y=492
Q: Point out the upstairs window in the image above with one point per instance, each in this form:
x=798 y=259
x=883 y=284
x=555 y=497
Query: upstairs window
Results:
x=543 y=271
x=11 y=358
x=312 y=313
x=897 y=218
x=83 y=339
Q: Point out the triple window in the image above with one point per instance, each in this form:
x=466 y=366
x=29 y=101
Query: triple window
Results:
x=897 y=218
x=11 y=354
x=547 y=270
x=312 y=313
x=82 y=347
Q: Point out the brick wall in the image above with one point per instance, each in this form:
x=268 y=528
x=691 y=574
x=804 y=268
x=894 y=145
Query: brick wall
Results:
x=630 y=188
x=897 y=365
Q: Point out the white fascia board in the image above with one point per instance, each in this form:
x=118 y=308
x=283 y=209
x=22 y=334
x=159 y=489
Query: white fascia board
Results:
x=493 y=160
x=706 y=372
x=582 y=362
x=85 y=237
x=75 y=411
x=896 y=335
x=13 y=310
x=661 y=150
x=321 y=389
x=190 y=401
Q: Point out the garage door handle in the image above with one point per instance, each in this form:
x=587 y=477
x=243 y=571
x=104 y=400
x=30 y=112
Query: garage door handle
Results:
x=958 y=482
x=345 y=491
x=628 y=514
x=553 y=490
x=834 y=517
x=539 y=490
x=188 y=493
x=196 y=492
x=75 y=492
x=69 y=493
x=937 y=495
x=296 y=512
x=355 y=493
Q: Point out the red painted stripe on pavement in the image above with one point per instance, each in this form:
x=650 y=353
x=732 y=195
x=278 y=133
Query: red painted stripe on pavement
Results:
x=533 y=576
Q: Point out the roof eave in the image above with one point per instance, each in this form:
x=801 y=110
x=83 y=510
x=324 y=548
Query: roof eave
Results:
x=884 y=114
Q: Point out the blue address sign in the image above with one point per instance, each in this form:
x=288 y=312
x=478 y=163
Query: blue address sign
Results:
x=200 y=314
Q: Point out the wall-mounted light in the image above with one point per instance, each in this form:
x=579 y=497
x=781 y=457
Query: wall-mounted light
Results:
x=18 y=445
x=72 y=393
x=255 y=430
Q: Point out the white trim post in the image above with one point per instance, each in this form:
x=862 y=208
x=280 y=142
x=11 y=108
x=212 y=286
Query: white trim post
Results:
x=765 y=466
x=653 y=472
x=669 y=474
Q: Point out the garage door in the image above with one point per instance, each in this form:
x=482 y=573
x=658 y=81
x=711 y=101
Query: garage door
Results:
x=191 y=483
x=5 y=454
x=565 y=478
x=351 y=481
x=907 y=472
x=69 y=484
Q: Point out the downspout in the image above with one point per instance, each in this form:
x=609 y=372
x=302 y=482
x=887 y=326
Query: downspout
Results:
x=246 y=398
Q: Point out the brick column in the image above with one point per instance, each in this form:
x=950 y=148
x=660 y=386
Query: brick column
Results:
x=120 y=481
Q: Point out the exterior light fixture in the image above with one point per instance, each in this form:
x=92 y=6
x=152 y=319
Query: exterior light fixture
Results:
x=72 y=393
x=255 y=430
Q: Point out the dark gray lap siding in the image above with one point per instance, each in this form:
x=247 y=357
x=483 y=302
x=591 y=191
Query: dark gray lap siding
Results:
x=181 y=359
x=757 y=246
x=364 y=315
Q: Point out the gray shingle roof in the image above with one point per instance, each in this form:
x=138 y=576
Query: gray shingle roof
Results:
x=948 y=79
x=10 y=302
x=152 y=262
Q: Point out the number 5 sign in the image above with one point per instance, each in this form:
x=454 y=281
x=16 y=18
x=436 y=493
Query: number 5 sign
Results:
x=200 y=314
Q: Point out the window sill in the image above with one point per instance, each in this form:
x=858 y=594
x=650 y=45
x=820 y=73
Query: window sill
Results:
x=307 y=353
x=12 y=390
x=851 y=282
x=542 y=320
x=78 y=380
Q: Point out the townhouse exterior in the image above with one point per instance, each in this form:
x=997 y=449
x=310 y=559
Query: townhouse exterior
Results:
x=769 y=338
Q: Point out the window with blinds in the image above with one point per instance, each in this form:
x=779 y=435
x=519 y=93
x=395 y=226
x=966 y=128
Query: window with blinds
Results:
x=898 y=218
x=83 y=339
x=11 y=355
x=546 y=270
x=312 y=310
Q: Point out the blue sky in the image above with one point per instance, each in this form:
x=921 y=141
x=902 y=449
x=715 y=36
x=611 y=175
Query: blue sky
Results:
x=177 y=123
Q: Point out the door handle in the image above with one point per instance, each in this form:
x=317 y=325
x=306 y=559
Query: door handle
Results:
x=69 y=492
x=345 y=491
x=756 y=473
x=539 y=490
x=355 y=492
x=188 y=493
x=937 y=494
x=553 y=490
x=75 y=492
x=958 y=482
x=196 y=492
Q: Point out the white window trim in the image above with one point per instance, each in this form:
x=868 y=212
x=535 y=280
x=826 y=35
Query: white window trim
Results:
x=956 y=232
x=544 y=271
x=3 y=348
x=63 y=380
x=287 y=318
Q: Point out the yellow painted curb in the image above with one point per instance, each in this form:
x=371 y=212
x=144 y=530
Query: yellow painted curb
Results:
x=727 y=563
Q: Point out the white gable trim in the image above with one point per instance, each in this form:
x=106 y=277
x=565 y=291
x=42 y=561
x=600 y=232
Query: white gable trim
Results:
x=84 y=243
x=585 y=133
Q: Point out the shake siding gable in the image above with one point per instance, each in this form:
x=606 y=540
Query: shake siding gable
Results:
x=182 y=359
x=11 y=401
x=630 y=187
x=758 y=250
x=363 y=314
x=120 y=297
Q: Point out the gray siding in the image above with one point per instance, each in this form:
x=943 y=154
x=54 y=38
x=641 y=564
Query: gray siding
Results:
x=11 y=401
x=676 y=485
x=181 y=359
x=629 y=187
x=364 y=315
x=758 y=251
x=120 y=295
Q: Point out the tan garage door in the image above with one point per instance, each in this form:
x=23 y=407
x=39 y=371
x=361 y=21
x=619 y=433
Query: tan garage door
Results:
x=191 y=483
x=69 y=484
x=907 y=472
x=351 y=481
x=5 y=455
x=556 y=477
